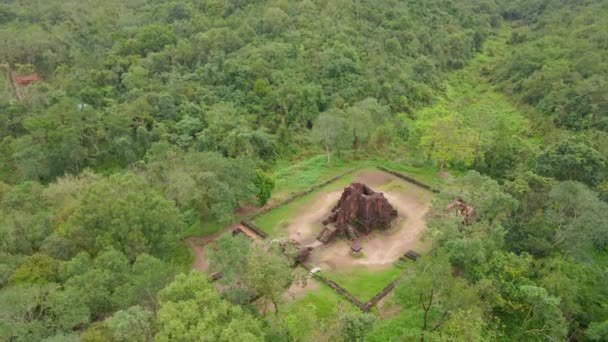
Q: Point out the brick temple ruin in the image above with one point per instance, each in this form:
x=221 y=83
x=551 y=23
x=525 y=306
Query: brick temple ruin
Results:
x=358 y=212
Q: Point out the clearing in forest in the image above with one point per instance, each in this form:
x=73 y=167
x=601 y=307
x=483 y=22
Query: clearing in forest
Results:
x=370 y=271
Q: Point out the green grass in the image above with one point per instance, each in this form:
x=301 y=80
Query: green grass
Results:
x=277 y=219
x=362 y=282
x=325 y=300
x=292 y=178
x=202 y=229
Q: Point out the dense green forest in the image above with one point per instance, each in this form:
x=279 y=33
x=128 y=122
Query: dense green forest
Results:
x=157 y=120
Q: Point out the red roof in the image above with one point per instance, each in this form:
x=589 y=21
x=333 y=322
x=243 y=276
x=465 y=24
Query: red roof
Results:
x=25 y=80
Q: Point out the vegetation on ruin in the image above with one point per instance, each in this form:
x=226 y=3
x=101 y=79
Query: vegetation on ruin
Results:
x=154 y=121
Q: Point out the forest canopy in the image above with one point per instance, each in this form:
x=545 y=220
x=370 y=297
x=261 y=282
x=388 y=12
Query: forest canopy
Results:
x=148 y=122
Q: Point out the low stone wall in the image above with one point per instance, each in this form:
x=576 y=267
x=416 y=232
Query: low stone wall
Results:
x=342 y=291
x=408 y=178
x=255 y=229
x=339 y=289
x=367 y=306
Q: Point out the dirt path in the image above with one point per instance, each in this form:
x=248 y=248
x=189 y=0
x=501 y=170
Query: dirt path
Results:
x=198 y=247
x=198 y=244
x=305 y=226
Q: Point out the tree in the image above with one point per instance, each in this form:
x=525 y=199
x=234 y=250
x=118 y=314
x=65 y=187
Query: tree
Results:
x=354 y=326
x=269 y=274
x=364 y=117
x=68 y=308
x=301 y=323
x=132 y=324
x=36 y=269
x=332 y=130
x=527 y=228
x=229 y=255
x=146 y=277
x=544 y=320
x=448 y=141
x=264 y=182
x=191 y=310
x=23 y=306
x=124 y=213
x=24 y=219
x=433 y=300
x=204 y=182
x=580 y=218
x=597 y=331
x=572 y=159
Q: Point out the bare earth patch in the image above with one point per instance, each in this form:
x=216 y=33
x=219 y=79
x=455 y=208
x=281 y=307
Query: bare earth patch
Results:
x=381 y=248
x=306 y=225
x=296 y=290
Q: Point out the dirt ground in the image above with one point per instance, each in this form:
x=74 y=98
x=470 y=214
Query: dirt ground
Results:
x=381 y=248
x=198 y=247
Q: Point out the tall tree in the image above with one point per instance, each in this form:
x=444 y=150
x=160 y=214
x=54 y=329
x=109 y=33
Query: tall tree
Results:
x=191 y=310
x=332 y=131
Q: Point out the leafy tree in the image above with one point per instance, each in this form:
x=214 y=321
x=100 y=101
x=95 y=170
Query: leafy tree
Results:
x=301 y=323
x=264 y=182
x=269 y=274
x=364 y=117
x=24 y=219
x=122 y=212
x=528 y=230
x=36 y=269
x=191 y=310
x=544 y=320
x=229 y=255
x=68 y=309
x=579 y=217
x=433 y=300
x=597 y=331
x=147 y=276
x=204 y=182
x=22 y=307
x=332 y=131
x=572 y=159
x=132 y=324
x=355 y=325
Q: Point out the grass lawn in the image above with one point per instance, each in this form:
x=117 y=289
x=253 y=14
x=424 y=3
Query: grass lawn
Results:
x=364 y=283
x=277 y=219
x=292 y=178
x=202 y=229
x=325 y=300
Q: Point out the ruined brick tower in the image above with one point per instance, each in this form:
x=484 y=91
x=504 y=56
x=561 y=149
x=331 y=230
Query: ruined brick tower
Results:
x=359 y=210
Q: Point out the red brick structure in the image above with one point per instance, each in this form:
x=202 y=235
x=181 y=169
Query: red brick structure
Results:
x=359 y=211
